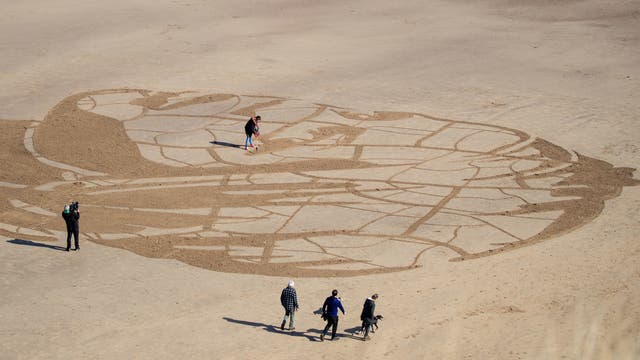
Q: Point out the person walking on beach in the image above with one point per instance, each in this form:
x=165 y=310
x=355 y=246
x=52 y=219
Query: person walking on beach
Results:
x=289 y=301
x=251 y=128
x=368 y=316
x=71 y=216
x=330 y=314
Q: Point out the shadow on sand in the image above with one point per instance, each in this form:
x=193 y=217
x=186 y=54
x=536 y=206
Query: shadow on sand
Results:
x=355 y=332
x=222 y=143
x=36 y=244
x=310 y=334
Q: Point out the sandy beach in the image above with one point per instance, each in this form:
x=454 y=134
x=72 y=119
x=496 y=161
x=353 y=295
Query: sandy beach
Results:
x=474 y=163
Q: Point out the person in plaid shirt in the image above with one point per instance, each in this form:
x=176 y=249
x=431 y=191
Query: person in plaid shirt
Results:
x=289 y=301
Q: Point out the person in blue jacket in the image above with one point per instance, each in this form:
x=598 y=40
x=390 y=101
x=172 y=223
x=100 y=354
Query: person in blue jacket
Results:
x=330 y=314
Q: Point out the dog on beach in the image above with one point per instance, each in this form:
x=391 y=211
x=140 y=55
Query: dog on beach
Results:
x=374 y=325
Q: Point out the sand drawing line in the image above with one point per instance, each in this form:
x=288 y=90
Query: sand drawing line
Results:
x=455 y=191
x=329 y=191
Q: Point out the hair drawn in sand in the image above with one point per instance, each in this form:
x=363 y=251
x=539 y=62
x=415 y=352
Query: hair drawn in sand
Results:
x=332 y=191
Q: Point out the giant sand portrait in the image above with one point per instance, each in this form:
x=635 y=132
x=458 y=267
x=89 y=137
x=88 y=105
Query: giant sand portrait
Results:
x=329 y=191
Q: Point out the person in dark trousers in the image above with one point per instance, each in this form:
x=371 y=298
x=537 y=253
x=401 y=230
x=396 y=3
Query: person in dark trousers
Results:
x=330 y=314
x=289 y=301
x=71 y=216
x=251 y=128
x=368 y=316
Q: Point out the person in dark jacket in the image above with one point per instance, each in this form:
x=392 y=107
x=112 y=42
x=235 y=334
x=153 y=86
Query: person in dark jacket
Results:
x=330 y=313
x=289 y=301
x=368 y=316
x=251 y=128
x=71 y=216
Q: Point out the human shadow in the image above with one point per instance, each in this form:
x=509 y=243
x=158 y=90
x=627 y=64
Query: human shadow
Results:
x=309 y=334
x=36 y=244
x=227 y=144
x=354 y=332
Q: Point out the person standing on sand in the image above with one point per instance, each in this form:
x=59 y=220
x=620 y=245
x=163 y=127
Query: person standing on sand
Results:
x=251 y=128
x=71 y=216
x=330 y=314
x=368 y=316
x=289 y=301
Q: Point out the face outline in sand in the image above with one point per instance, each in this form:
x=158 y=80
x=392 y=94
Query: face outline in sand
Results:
x=331 y=192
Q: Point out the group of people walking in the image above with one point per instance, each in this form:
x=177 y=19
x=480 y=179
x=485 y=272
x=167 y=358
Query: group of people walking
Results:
x=330 y=308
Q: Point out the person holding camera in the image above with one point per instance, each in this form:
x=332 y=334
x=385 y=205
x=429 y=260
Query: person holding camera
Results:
x=71 y=216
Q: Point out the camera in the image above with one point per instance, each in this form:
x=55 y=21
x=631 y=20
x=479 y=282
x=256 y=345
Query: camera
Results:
x=74 y=206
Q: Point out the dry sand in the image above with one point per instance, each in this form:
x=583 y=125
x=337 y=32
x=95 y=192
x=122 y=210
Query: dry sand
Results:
x=187 y=240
